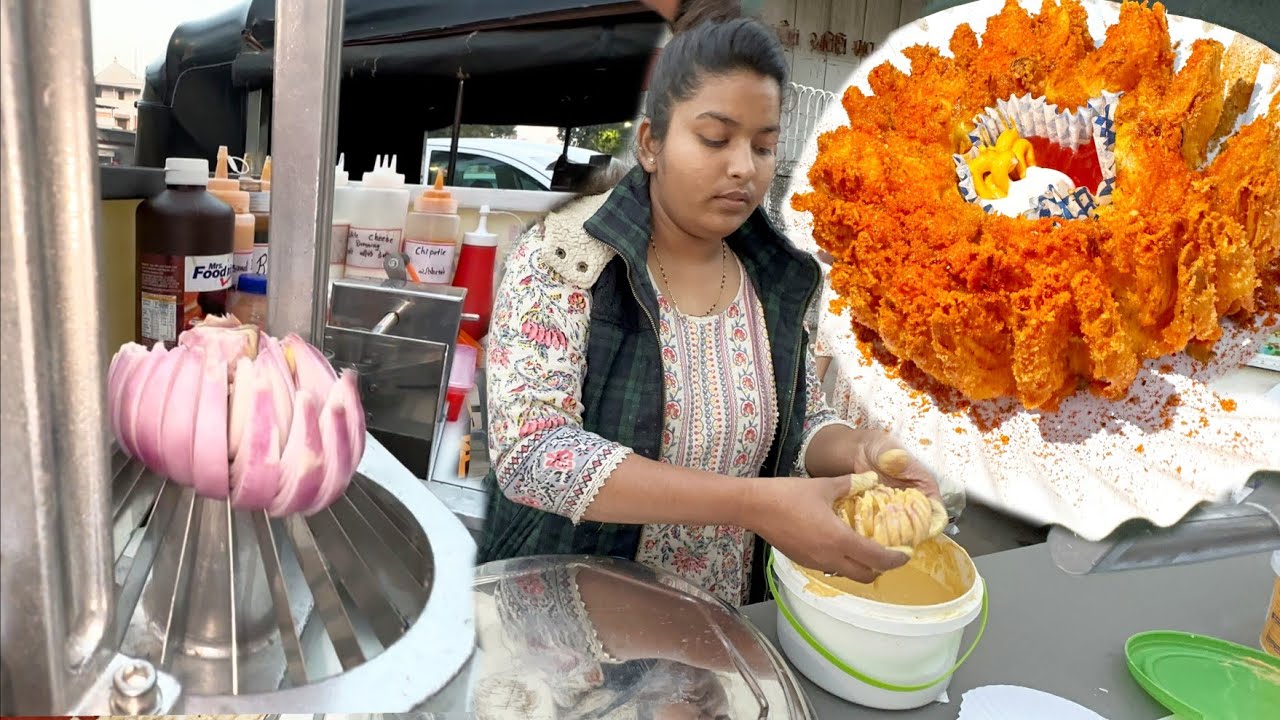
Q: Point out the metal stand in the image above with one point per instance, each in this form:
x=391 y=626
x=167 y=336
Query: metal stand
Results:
x=123 y=594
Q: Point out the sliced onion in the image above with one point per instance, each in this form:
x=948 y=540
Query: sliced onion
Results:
x=235 y=413
x=302 y=459
x=209 y=464
x=179 y=437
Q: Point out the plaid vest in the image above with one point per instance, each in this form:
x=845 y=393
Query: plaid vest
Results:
x=622 y=393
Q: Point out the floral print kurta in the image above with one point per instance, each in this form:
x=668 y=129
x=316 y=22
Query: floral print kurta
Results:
x=720 y=413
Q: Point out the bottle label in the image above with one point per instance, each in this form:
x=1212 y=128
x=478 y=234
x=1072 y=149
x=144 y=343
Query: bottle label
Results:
x=174 y=291
x=432 y=260
x=366 y=247
x=241 y=262
x=338 y=243
x=259 y=262
x=208 y=273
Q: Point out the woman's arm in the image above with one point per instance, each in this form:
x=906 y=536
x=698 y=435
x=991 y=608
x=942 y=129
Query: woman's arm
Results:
x=834 y=447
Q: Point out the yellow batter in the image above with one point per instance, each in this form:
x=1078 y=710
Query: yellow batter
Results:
x=934 y=575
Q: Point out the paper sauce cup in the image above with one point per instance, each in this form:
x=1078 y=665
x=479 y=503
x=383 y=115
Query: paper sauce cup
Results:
x=1270 y=638
x=1093 y=124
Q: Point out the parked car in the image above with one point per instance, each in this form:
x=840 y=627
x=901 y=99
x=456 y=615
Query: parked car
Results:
x=499 y=163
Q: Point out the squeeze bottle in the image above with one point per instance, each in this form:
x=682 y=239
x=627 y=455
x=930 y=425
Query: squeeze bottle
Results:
x=260 y=206
x=475 y=273
x=186 y=239
x=431 y=233
x=228 y=191
x=342 y=201
x=378 y=209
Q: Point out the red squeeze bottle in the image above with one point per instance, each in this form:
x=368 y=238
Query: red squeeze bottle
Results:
x=475 y=273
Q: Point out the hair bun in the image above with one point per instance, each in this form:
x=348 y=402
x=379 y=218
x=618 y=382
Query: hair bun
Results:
x=693 y=13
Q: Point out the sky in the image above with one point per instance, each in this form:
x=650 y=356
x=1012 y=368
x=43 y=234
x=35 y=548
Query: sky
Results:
x=136 y=32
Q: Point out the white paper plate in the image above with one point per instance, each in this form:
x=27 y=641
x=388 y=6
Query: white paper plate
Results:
x=1011 y=702
x=1094 y=463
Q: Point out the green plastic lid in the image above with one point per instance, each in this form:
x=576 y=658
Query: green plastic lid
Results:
x=1197 y=677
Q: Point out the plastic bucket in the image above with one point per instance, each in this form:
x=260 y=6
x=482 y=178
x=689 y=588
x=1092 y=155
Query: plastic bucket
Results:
x=876 y=654
x=1270 y=638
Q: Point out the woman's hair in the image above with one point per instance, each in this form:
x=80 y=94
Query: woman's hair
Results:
x=693 y=13
x=711 y=47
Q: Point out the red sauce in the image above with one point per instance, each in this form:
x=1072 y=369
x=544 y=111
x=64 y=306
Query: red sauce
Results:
x=1081 y=164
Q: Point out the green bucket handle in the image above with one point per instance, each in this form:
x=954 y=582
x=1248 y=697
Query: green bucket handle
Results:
x=769 y=574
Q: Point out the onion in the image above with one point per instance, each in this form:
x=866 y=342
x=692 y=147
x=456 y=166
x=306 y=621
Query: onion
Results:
x=235 y=413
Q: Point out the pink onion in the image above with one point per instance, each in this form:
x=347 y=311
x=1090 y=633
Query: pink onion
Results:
x=233 y=412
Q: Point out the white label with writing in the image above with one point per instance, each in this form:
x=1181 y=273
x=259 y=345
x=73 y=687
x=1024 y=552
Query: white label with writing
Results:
x=259 y=263
x=207 y=273
x=338 y=243
x=241 y=262
x=367 y=247
x=433 y=261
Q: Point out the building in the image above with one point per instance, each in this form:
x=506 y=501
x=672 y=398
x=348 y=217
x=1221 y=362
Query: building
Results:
x=826 y=40
x=116 y=91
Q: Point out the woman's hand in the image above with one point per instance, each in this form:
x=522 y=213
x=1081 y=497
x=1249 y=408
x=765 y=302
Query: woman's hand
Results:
x=882 y=454
x=797 y=516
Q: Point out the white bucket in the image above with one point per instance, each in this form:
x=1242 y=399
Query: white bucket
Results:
x=896 y=649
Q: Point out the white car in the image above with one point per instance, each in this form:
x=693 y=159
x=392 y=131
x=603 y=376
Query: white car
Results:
x=499 y=163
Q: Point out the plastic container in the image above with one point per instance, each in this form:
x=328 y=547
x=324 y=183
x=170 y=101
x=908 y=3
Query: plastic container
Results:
x=378 y=209
x=249 y=302
x=343 y=197
x=462 y=380
x=228 y=191
x=185 y=239
x=475 y=273
x=1269 y=641
x=904 y=653
x=431 y=233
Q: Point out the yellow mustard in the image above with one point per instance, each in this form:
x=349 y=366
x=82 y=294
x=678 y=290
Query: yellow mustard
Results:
x=995 y=166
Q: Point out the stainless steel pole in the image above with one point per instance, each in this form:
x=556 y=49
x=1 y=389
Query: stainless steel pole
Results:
x=57 y=590
x=304 y=134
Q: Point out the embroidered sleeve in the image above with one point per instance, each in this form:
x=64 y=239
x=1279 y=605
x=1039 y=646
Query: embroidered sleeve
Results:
x=818 y=414
x=536 y=362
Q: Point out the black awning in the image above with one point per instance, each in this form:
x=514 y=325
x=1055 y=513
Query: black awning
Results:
x=527 y=62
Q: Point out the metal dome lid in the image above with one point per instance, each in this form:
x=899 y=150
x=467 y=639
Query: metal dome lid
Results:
x=590 y=637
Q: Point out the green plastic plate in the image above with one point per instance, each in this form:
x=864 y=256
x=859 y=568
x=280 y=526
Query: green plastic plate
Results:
x=1204 y=678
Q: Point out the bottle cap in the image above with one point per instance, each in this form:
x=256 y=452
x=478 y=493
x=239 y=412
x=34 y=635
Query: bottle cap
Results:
x=340 y=174
x=437 y=200
x=186 y=171
x=228 y=189
x=384 y=174
x=481 y=237
x=252 y=283
x=266 y=175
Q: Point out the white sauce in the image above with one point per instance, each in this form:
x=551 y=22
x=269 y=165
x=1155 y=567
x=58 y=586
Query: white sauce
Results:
x=1022 y=193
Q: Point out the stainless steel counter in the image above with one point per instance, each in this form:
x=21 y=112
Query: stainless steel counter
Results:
x=1065 y=634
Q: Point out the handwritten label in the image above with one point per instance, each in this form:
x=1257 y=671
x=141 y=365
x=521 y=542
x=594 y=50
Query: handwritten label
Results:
x=338 y=243
x=241 y=262
x=367 y=247
x=432 y=260
x=259 y=262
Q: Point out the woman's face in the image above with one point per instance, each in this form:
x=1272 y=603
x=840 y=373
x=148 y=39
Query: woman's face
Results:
x=716 y=162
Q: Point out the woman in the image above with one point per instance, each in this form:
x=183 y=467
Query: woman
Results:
x=651 y=391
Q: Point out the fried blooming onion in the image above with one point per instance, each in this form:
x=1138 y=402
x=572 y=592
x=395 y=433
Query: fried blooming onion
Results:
x=998 y=306
x=235 y=413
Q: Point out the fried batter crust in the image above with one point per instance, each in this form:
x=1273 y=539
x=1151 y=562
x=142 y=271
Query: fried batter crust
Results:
x=1038 y=309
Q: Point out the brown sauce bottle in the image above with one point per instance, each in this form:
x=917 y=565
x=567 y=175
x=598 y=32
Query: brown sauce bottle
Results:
x=186 y=245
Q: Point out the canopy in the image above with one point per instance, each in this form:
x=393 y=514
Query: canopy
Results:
x=564 y=63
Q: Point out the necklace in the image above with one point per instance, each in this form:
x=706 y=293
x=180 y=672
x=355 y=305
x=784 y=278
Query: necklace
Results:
x=666 y=282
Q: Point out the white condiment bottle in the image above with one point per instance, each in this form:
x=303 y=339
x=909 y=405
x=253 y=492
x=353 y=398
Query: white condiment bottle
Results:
x=432 y=232
x=377 y=214
x=343 y=200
